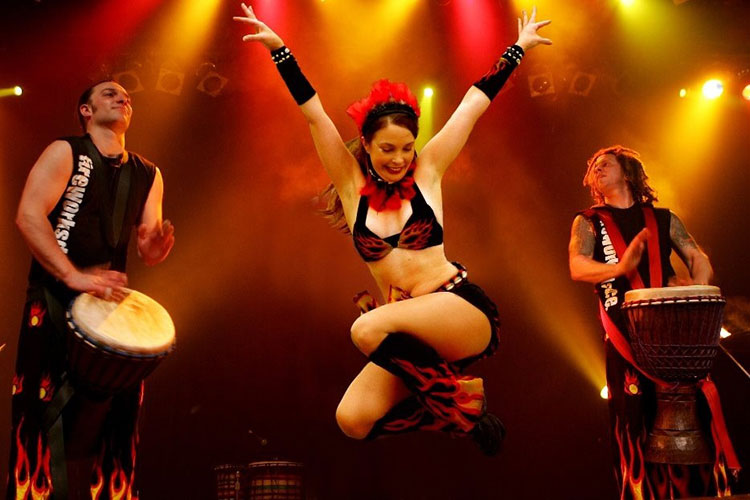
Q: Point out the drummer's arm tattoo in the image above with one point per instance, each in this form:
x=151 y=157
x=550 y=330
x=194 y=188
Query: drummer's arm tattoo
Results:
x=695 y=259
x=582 y=238
x=582 y=265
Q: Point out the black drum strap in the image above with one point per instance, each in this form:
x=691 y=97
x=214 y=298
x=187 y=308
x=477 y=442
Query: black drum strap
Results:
x=52 y=420
x=113 y=225
x=53 y=424
x=57 y=316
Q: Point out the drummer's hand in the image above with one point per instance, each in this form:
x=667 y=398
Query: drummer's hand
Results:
x=680 y=281
x=528 y=37
x=261 y=32
x=103 y=283
x=633 y=253
x=155 y=245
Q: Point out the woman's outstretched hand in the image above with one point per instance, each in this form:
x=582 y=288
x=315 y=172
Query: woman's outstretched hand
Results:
x=262 y=34
x=528 y=37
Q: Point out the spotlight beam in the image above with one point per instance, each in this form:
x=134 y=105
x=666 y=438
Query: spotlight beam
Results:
x=739 y=365
x=11 y=91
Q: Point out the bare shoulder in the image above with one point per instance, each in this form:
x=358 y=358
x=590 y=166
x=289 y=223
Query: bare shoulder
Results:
x=678 y=233
x=55 y=163
x=157 y=184
x=582 y=236
x=426 y=173
x=430 y=183
x=47 y=179
x=58 y=151
x=583 y=225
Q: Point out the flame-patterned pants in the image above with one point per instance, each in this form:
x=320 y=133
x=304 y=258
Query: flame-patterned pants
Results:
x=443 y=399
x=632 y=407
x=40 y=367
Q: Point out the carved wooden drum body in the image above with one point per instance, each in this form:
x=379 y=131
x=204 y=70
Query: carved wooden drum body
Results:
x=674 y=334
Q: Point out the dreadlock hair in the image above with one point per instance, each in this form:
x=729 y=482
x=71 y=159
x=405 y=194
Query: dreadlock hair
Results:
x=632 y=167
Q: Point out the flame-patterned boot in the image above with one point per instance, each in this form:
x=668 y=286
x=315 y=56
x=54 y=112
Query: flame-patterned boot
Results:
x=407 y=416
x=450 y=399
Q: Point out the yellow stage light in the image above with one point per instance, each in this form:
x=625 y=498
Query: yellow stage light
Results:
x=11 y=91
x=746 y=92
x=604 y=393
x=713 y=89
x=683 y=92
x=627 y=3
x=197 y=18
x=724 y=334
x=426 y=118
x=345 y=22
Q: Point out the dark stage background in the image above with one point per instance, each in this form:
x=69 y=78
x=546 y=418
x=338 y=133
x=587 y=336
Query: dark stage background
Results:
x=260 y=289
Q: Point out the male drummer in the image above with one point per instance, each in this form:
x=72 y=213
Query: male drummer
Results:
x=82 y=198
x=621 y=243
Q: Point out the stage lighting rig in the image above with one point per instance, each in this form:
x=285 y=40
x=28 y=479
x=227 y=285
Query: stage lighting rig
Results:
x=210 y=82
x=541 y=84
x=170 y=79
x=582 y=83
x=130 y=80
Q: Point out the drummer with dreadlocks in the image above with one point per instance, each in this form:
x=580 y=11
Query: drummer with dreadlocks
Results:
x=436 y=322
x=622 y=243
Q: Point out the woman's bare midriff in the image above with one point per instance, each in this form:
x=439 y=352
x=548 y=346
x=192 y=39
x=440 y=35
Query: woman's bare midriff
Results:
x=417 y=272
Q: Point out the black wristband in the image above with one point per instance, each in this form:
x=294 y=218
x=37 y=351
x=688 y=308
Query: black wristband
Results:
x=495 y=78
x=295 y=81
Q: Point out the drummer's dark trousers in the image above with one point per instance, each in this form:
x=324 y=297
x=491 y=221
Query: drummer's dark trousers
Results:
x=109 y=458
x=632 y=407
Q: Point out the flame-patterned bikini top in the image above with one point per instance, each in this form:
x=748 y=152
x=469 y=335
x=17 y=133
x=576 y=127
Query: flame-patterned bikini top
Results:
x=422 y=230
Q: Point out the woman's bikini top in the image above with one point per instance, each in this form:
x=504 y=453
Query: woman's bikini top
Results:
x=422 y=230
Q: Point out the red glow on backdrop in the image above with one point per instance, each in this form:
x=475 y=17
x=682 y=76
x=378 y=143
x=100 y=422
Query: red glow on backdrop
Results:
x=478 y=36
x=271 y=12
x=110 y=17
x=100 y=31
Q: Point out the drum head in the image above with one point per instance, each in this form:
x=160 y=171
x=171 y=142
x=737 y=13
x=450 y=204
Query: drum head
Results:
x=672 y=292
x=137 y=325
x=276 y=463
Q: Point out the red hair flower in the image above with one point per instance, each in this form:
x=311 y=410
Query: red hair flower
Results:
x=385 y=97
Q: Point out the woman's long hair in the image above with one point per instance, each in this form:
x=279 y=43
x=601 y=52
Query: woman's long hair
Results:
x=334 y=210
x=632 y=167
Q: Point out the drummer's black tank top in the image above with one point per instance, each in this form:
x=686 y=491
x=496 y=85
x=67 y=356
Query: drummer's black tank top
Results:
x=82 y=218
x=630 y=221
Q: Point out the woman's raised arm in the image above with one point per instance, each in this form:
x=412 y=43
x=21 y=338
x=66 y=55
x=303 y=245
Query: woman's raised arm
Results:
x=339 y=163
x=442 y=149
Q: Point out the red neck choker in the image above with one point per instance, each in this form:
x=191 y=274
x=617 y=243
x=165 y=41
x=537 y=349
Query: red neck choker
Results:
x=383 y=195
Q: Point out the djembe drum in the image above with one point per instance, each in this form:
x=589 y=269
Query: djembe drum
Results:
x=232 y=482
x=113 y=345
x=276 y=479
x=674 y=334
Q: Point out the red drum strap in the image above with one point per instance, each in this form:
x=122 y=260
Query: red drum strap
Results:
x=619 y=243
x=623 y=346
x=718 y=425
x=654 y=252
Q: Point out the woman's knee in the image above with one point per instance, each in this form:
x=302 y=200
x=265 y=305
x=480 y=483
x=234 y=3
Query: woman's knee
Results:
x=367 y=333
x=351 y=422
